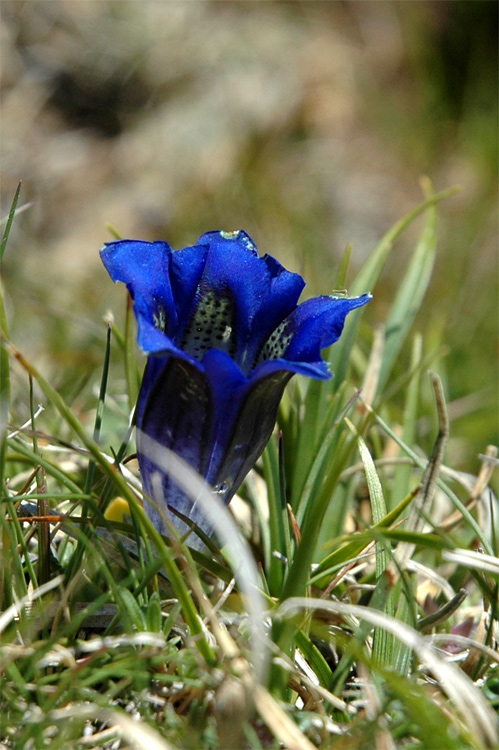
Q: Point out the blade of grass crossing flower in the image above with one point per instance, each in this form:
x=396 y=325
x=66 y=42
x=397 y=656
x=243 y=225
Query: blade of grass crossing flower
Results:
x=189 y=610
x=383 y=641
x=235 y=548
x=410 y=294
x=366 y=280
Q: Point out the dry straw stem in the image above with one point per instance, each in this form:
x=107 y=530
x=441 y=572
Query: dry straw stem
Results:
x=476 y=712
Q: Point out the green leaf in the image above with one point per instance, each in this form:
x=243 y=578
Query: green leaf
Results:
x=410 y=295
x=383 y=641
x=153 y=613
x=368 y=276
x=341 y=276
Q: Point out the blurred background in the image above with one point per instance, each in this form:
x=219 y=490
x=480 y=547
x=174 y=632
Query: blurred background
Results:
x=307 y=124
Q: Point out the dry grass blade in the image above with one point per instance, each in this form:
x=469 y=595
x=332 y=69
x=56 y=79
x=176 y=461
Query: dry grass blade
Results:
x=471 y=559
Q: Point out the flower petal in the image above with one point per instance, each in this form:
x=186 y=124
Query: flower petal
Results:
x=250 y=431
x=316 y=324
x=145 y=268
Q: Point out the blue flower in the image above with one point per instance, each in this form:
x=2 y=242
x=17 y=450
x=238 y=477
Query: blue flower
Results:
x=224 y=333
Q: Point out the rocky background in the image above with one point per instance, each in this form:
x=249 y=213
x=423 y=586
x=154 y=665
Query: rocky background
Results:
x=308 y=124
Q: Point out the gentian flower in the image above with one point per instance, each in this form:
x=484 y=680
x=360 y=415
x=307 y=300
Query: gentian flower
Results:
x=224 y=334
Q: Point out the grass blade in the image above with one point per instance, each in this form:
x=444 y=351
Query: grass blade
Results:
x=383 y=641
x=367 y=277
x=410 y=293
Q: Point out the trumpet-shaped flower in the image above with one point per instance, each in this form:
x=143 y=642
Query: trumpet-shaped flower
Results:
x=224 y=333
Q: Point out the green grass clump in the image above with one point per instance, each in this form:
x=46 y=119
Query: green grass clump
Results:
x=359 y=609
